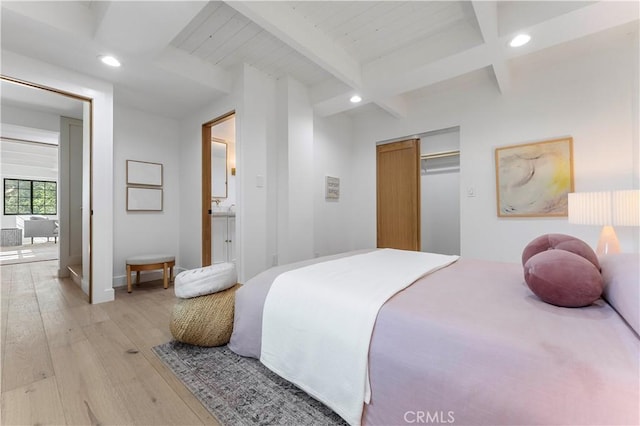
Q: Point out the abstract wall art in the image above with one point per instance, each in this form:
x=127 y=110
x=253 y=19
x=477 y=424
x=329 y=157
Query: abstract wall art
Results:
x=533 y=179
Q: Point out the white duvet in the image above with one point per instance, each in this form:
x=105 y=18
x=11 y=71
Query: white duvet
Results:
x=318 y=321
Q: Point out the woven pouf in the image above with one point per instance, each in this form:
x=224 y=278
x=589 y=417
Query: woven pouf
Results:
x=204 y=320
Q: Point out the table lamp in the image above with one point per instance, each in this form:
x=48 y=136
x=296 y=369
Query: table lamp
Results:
x=606 y=208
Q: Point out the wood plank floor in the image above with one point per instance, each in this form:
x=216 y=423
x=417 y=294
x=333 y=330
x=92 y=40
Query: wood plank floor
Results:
x=67 y=362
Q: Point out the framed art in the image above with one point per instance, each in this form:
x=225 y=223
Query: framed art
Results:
x=332 y=188
x=144 y=199
x=534 y=179
x=144 y=173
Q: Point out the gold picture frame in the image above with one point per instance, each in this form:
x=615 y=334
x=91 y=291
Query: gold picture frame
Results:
x=534 y=179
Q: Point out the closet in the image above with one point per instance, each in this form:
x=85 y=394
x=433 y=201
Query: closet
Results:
x=440 y=191
x=418 y=192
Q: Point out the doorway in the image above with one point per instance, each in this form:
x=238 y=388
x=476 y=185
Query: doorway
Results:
x=78 y=129
x=219 y=190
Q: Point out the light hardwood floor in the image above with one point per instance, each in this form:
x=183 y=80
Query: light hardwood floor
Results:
x=67 y=362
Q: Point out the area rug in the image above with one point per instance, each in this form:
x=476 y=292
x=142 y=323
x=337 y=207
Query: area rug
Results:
x=241 y=391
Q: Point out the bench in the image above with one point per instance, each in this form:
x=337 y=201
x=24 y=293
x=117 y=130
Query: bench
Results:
x=149 y=263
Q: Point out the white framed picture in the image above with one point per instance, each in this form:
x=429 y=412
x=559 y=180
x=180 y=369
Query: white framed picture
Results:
x=144 y=199
x=144 y=173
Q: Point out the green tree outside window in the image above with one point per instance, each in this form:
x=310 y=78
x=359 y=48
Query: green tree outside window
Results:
x=23 y=196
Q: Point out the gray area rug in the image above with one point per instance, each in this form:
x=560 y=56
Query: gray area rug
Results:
x=242 y=391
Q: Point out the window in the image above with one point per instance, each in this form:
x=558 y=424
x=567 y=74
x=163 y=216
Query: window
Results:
x=30 y=197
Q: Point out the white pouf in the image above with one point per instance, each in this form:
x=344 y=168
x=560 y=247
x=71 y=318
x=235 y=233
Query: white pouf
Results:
x=206 y=280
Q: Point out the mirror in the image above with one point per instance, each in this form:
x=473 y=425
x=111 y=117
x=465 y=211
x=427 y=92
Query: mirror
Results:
x=218 y=168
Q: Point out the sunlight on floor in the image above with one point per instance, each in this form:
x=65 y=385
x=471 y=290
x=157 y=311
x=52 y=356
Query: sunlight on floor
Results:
x=29 y=253
x=17 y=254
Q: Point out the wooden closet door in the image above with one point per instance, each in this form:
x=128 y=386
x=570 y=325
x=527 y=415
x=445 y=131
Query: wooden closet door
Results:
x=398 y=195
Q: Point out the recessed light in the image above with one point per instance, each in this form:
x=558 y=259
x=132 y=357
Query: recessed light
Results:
x=110 y=60
x=355 y=99
x=520 y=40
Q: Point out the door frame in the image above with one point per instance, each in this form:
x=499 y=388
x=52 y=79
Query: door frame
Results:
x=206 y=184
x=90 y=104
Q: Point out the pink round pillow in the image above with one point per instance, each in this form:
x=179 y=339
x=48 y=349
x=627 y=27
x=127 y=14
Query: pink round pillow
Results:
x=560 y=242
x=563 y=278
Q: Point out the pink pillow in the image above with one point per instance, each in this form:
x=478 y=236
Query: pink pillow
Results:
x=560 y=242
x=563 y=278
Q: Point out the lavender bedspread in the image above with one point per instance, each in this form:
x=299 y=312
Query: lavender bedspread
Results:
x=470 y=344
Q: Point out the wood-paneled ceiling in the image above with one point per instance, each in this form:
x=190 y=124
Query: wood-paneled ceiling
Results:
x=178 y=56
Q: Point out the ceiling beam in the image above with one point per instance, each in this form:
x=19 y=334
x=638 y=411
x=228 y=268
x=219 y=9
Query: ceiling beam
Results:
x=576 y=24
x=279 y=19
x=122 y=28
x=383 y=87
x=396 y=106
x=69 y=16
x=188 y=66
x=487 y=18
x=579 y=23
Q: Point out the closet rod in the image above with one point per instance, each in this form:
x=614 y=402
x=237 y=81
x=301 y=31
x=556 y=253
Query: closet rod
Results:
x=440 y=154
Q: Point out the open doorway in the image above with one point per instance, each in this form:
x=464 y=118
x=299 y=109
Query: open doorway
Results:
x=219 y=190
x=47 y=200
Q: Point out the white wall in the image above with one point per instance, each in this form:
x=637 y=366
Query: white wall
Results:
x=142 y=136
x=295 y=178
x=101 y=93
x=16 y=117
x=253 y=98
x=255 y=128
x=324 y=149
x=589 y=96
x=333 y=156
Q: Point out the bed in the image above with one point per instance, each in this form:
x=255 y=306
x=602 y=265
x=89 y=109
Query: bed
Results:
x=471 y=344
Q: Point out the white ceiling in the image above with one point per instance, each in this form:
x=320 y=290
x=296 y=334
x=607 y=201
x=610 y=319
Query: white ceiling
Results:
x=179 y=56
x=25 y=97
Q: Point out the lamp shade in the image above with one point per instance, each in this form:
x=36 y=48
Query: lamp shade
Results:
x=590 y=208
x=626 y=208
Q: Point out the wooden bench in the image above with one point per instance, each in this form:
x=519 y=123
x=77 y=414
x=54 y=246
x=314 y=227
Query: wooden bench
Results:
x=149 y=263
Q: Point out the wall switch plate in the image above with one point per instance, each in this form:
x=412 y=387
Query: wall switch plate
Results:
x=259 y=181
